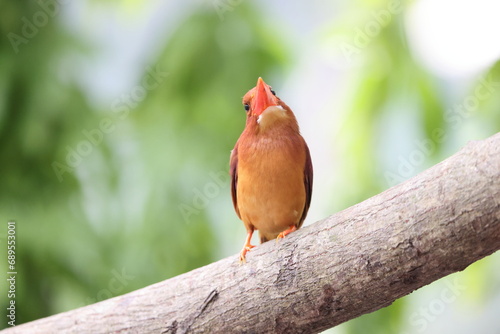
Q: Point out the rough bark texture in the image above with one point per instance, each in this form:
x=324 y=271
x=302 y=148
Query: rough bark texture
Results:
x=354 y=262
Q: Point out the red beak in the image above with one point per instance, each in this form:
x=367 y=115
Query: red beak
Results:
x=263 y=97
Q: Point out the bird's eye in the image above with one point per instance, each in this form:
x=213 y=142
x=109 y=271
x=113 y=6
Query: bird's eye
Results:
x=247 y=107
x=272 y=91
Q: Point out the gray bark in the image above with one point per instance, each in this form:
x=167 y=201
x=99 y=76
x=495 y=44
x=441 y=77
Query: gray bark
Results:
x=354 y=262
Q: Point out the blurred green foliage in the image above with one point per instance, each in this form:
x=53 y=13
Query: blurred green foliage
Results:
x=122 y=193
x=92 y=217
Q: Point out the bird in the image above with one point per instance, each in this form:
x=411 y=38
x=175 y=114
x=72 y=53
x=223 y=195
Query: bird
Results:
x=270 y=168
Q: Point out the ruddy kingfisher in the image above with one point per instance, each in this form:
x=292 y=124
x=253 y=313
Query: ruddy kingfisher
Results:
x=271 y=169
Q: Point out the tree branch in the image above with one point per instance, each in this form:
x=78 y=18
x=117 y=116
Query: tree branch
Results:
x=354 y=262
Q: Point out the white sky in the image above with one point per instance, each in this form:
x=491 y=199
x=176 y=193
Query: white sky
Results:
x=454 y=38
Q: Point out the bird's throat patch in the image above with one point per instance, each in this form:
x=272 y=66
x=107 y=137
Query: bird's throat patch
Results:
x=271 y=116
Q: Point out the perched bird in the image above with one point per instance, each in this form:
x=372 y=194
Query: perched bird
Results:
x=271 y=169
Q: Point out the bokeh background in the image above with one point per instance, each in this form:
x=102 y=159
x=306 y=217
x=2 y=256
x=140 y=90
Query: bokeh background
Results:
x=117 y=119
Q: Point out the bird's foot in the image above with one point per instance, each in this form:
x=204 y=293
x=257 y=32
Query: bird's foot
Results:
x=244 y=251
x=283 y=234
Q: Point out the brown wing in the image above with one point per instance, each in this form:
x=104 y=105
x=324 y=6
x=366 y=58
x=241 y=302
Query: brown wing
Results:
x=308 y=182
x=233 y=171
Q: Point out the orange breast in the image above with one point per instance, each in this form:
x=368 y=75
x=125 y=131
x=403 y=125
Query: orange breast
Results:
x=271 y=193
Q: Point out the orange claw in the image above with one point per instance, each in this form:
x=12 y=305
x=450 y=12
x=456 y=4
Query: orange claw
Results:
x=246 y=247
x=243 y=253
x=286 y=232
